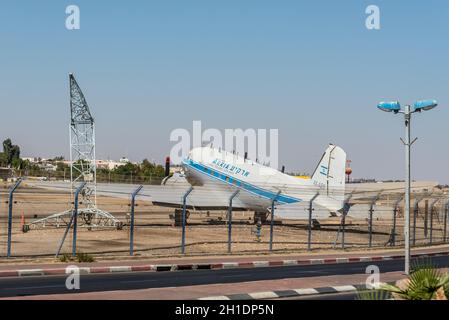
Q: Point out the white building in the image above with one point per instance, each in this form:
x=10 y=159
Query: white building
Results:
x=109 y=164
x=32 y=159
x=124 y=160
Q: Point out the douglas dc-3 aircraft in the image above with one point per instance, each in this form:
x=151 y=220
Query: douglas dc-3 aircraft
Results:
x=216 y=175
x=222 y=173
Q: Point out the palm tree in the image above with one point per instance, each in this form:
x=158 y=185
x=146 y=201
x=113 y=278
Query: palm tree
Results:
x=425 y=282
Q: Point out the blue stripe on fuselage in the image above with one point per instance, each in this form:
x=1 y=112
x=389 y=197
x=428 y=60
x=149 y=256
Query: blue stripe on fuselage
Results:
x=267 y=194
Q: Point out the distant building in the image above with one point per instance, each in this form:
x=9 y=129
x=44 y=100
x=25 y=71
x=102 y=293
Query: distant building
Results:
x=109 y=164
x=32 y=159
x=124 y=160
x=5 y=174
x=363 y=180
x=176 y=168
x=50 y=165
x=42 y=163
x=47 y=166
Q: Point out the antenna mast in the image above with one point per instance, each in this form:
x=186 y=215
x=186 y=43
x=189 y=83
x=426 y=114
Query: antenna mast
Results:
x=83 y=168
x=82 y=145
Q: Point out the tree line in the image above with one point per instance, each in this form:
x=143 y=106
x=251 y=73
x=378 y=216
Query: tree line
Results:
x=10 y=158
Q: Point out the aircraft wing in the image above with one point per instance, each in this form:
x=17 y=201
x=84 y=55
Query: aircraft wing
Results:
x=361 y=211
x=368 y=190
x=300 y=210
x=200 y=198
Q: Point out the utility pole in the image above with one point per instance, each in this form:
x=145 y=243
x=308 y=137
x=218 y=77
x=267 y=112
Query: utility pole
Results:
x=407 y=117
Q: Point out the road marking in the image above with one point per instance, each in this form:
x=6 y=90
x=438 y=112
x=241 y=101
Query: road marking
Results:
x=263 y=295
x=345 y=288
x=215 y=298
x=230 y=265
x=259 y=264
x=316 y=261
x=120 y=269
x=365 y=259
x=375 y=285
x=306 y=291
x=31 y=272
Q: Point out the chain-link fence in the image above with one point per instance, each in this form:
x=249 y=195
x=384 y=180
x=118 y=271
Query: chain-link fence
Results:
x=372 y=219
x=102 y=177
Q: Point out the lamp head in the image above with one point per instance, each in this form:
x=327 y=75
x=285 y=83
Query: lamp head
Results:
x=390 y=106
x=425 y=105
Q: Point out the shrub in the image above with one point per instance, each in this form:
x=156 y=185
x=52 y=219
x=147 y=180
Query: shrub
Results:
x=65 y=258
x=84 y=257
x=80 y=257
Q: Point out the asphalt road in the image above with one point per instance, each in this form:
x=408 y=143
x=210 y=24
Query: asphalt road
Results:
x=39 y=285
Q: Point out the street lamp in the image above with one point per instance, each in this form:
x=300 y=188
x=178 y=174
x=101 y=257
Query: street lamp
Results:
x=395 y=107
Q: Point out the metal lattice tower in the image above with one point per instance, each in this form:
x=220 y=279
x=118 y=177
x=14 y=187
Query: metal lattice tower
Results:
x=82 y=167
x=82 y=145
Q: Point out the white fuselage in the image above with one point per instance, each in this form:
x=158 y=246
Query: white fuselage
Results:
x=259 y=184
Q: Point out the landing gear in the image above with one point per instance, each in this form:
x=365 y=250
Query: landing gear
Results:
x=316 y=224
x=262 y=216
x=177 y=217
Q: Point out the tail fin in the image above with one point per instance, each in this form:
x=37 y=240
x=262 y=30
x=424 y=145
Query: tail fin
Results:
x=329 y=175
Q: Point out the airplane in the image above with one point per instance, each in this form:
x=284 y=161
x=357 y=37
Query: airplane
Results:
x=215 y=175
x=223 y=173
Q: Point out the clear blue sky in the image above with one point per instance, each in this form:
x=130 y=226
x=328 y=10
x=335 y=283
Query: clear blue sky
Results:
x=309 y=68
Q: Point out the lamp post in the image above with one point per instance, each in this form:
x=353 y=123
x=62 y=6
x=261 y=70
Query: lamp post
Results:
x=395 y=107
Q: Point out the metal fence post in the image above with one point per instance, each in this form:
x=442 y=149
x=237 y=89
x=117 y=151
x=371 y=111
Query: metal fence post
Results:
x=309 y=235
x=395 y=215
x=370 y=223
x=69 y=225
x=272 y=220
x=370 y=227
x=346 y=208
x=426 y=218
x=415 y=214
x=184 y=204
x=75 y=217
x=131 y=227
x=431 y=220
x=446 y=213
x=10 y=205
x=61 y=243
x=230 y=219
x=341 y=228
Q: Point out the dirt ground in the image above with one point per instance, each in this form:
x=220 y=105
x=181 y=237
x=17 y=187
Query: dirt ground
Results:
x=206 y=232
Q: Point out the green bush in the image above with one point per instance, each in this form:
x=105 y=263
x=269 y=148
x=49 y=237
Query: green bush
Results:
x=65 y=258
x=80 y=257
x=84 y=257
